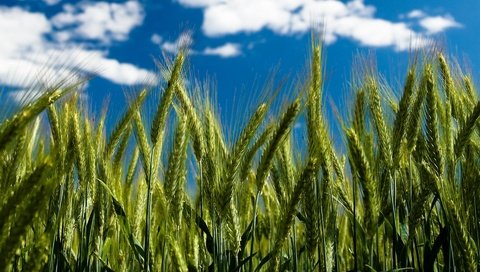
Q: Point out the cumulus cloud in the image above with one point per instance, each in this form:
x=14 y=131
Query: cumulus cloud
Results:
x=99 y=21
x=438 y=24
x=353 y=20
x=433 y=24
x=28 y=54
x=227 y=50
x=97 y=62
x=21 y=30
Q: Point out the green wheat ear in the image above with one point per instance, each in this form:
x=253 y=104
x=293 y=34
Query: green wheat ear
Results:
x=403 y=114
x=123 y=124
x=431 y=120
x=278 y=137
x=239 y=150
x=382 y=131
x=363 y=174
x=176 y=172
x=10 y=127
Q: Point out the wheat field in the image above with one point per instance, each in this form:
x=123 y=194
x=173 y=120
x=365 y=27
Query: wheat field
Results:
x=400 y=196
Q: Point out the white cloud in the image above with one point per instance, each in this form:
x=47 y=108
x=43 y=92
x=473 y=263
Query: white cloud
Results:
x=156 y=39
x=185 y=40
x=247 y=16
x=377 y=33
x=438 y=24
x=416 y=13
x=100 y=21
x=353 y=20
x=97 y=62
x=28 y=56
x=227 y=50
x=21 y=30
x=51 y=2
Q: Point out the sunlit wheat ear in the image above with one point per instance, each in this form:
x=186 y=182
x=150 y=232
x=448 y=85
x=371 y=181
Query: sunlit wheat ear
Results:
x=278 y=136
x=227 y=206
x=122 y=148
x=239 y=150
x=176 y=172
x=167 y=97
x=362 y=171
x=314 y=99
x=249 y=156
x=358 y=122
x=405 y=104
x=11 y=126
x=138 y=218
x=289 y=215
x=469 y=88
x=283 y=174
x=78 y=141
x=413 y=123
x=316 y=148
x=431 y=120
x=156 y=136
x=382 y=131
x=54 y=124
x=311 y=216
x=123 y=124
x=130 y=175
x=195 y=123
x=91 y=156
x=448 y=86
x=142 y=140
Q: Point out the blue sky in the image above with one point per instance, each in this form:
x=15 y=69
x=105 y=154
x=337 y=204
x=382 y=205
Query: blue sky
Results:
x=235 y=43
